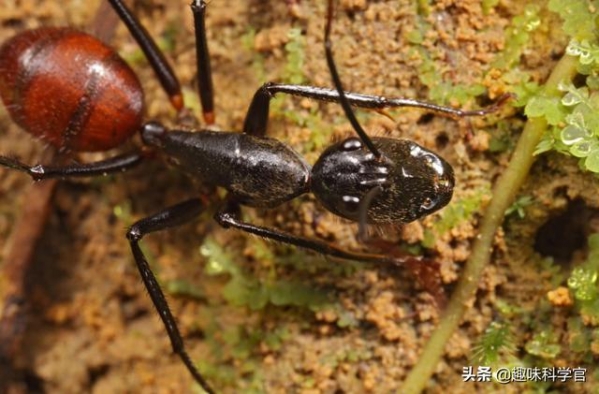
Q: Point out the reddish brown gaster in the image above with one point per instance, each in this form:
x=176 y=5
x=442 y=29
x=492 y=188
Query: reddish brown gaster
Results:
x=69 y=89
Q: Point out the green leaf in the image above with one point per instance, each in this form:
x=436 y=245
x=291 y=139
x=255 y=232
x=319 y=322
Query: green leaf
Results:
x=295 y=293
x=583 y=148
x=579 y=23
x=594 y=242
x=183 y=287
x=582 y=281
x=592 y=161
x=543 y=345
x=547 y=107
x=572 y=134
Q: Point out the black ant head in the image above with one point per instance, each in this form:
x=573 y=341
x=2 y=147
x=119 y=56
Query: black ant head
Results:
x=411 y=181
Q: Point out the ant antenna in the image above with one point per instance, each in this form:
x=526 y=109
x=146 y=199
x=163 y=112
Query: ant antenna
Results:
x=337 y=82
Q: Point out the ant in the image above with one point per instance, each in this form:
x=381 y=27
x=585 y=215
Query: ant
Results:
x=367 y=180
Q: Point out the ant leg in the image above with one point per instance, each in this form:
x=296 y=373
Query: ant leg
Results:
x=205 y=89
x=228 y=217
x=169 y=217
x=256 y=118
x=257 y=114
x=425 y=270
x=38 y=172
x=155 y=57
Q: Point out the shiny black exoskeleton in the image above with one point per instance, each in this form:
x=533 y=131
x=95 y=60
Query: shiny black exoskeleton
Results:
x=264 y=172
x=414 y=181
x=363 y=179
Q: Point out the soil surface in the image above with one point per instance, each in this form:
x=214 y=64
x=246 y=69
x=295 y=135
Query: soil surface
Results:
x=322 y=325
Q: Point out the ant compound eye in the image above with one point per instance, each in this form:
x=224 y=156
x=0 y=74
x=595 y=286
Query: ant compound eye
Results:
x=430 y=159
x=434 y=162
x=351 y=144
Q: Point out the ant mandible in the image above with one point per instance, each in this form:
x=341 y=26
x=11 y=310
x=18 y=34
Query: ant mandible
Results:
x=368 y=180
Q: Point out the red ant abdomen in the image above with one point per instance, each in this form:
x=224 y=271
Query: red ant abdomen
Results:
x=70 y=89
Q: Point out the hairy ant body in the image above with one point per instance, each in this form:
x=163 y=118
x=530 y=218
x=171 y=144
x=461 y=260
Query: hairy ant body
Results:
x=365 y=179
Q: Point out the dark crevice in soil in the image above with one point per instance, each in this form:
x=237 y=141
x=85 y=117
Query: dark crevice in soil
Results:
x=565 y=233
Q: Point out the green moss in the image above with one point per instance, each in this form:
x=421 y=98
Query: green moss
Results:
x=191 y=98
x=517 y=41
x=346 y=319
x=303 y=261
x=234 y=361
x=430 y=71
x=518 y=207
x=583 y=284
x=488 y=5
x=423 y=7
x=166 y=43
x=579 y=17
x=582 y=332
x=247 y=42
x=182 y=287
x=440 y=90
x=294 y=69
x=122 y=212
x=517 y=37
x=495 y=346
x=502 y=139
x=244 y=289
x=544 y=344
x=579 y=336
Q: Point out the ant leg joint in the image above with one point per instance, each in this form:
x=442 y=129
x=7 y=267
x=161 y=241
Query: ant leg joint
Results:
x=37 y=172
x=269 y=88
x=152 y=133
x=134 y=234
x=198 y=5
x=224 y=219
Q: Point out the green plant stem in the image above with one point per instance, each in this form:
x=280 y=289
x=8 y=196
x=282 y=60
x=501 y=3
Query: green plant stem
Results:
x=504 y=194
